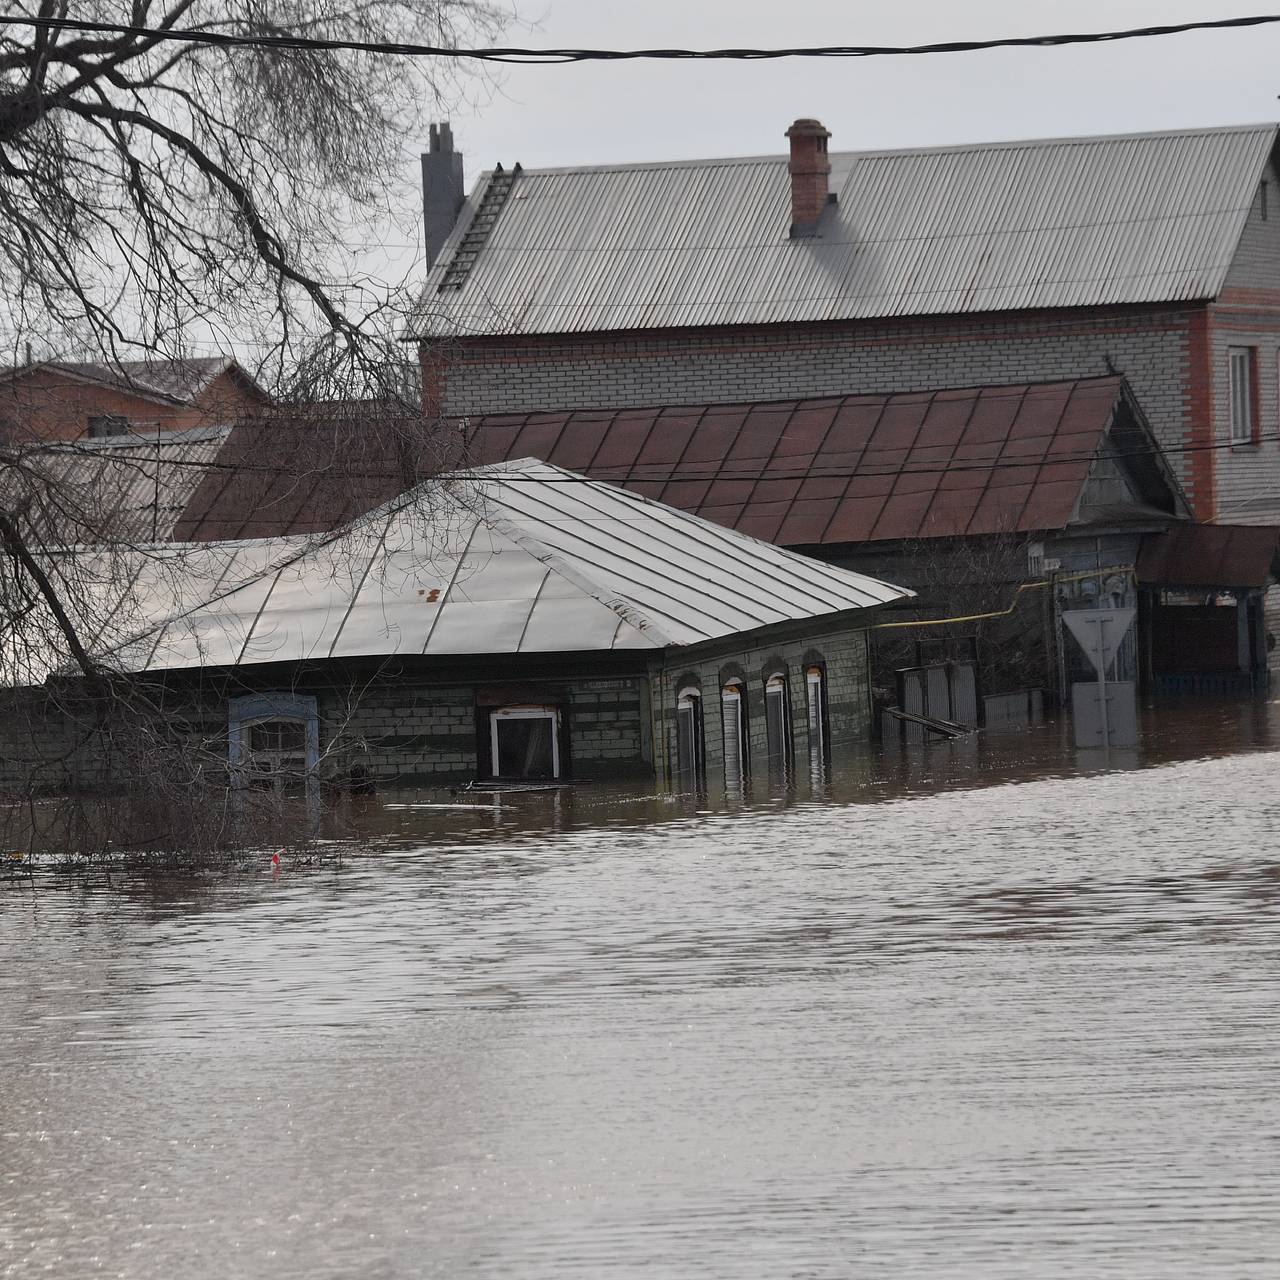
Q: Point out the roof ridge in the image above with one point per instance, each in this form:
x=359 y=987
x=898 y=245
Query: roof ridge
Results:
x=998 y=144
x=1022 y=385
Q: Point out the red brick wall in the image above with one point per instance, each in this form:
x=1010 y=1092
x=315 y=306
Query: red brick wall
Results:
x=48 y=405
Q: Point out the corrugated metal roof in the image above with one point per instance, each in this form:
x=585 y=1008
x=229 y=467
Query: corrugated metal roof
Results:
x=859 y=468
x=521 y=557
x=994 y=227
x=176 y=381
x=125 y=488
x=285 y=473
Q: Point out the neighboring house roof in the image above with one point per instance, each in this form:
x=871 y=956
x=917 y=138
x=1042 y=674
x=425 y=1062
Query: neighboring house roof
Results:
x=517 y=558
x=865 y=468
x=169 y=381
x=126 y=488
x=1209 y=556
x=280 y=475
x=1063 y=222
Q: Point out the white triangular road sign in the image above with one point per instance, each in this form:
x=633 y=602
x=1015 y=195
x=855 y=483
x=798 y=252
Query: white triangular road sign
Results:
x=1099 y=632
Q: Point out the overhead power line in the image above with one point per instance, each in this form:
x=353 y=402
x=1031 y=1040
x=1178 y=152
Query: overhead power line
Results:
x=512 y=54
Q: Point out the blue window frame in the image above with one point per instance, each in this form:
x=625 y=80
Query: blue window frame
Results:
x=273 y=740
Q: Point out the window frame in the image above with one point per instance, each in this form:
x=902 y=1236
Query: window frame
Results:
x=691 y=774
x=107 y=426
x=733 y=693
x=817 y=714
x=526 y=711
x=244 y=713
x=1242 y=400
x=781 y=754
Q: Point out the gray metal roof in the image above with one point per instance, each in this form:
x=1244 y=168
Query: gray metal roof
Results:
x=171 y=381
x=1000 y=226
x=128 y=488
x=519 y=557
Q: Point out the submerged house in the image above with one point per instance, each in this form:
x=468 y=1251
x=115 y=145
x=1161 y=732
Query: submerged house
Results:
x=775 y=341
x=514 y=622
x=965 y=494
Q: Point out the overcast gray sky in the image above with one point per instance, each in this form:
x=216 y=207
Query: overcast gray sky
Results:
x=594 y=114
x=601 y=113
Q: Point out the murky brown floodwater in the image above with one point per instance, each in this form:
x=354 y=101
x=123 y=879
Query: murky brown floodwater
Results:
x=1017 y=1017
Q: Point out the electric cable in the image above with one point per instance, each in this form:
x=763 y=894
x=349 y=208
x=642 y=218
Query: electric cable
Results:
x=530 y=56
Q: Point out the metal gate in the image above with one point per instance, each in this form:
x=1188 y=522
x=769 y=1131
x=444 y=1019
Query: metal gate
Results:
x=941 y=691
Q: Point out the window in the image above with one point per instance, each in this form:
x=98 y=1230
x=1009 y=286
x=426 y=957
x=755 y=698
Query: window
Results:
x=815 y=687
x=107 y=424
x=690 y=758
x=777 y=721
x=525 y=742
x=1242 y=366
x=733 y=711
x=273 y=741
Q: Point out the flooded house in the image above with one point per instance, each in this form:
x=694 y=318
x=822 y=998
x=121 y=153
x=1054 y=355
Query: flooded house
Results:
x=516 y=622
x=827 y=272
x=788 y=344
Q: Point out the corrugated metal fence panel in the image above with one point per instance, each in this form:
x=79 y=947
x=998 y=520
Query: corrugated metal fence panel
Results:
x=914 y=701
x=964 y=694
x=938 y=693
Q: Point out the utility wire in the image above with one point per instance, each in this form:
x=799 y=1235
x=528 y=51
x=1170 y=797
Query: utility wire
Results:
x=512 y=54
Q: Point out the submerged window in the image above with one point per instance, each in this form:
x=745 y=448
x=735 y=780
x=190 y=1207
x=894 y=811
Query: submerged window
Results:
x=690 y=757
x=525 y=742
x=815 y=687
x=1243 y=394
x=777 y=719
x=273 y=741
x=733 y=710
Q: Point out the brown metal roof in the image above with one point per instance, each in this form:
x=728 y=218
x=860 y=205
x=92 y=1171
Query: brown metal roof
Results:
x=173 y=381
x=309 y=472
x=1209 y=555
x=858 y=468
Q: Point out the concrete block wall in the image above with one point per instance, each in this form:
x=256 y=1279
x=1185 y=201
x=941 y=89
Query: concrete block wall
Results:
x=843 y=655
x=397 y=731
x=608 y=728
x=406 y=731
x=61 y=742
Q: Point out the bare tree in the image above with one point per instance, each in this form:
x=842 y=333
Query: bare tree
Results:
x=152 y=191
x=155 y=196
x=975 y=589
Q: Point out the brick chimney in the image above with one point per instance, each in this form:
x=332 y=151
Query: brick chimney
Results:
x=809 y=169
x=442 y=189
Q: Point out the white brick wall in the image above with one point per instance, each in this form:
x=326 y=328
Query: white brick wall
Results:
x=1149 y=345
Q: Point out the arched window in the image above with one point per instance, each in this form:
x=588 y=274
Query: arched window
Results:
x=815 y=688
x=690 y=768
x=777 y=721
x=733 y=711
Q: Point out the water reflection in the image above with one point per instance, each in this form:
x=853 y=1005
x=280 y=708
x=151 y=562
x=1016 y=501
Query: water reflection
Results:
x=994 y=1009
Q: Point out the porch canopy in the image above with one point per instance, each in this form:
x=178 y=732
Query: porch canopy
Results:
x=1210 y=555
